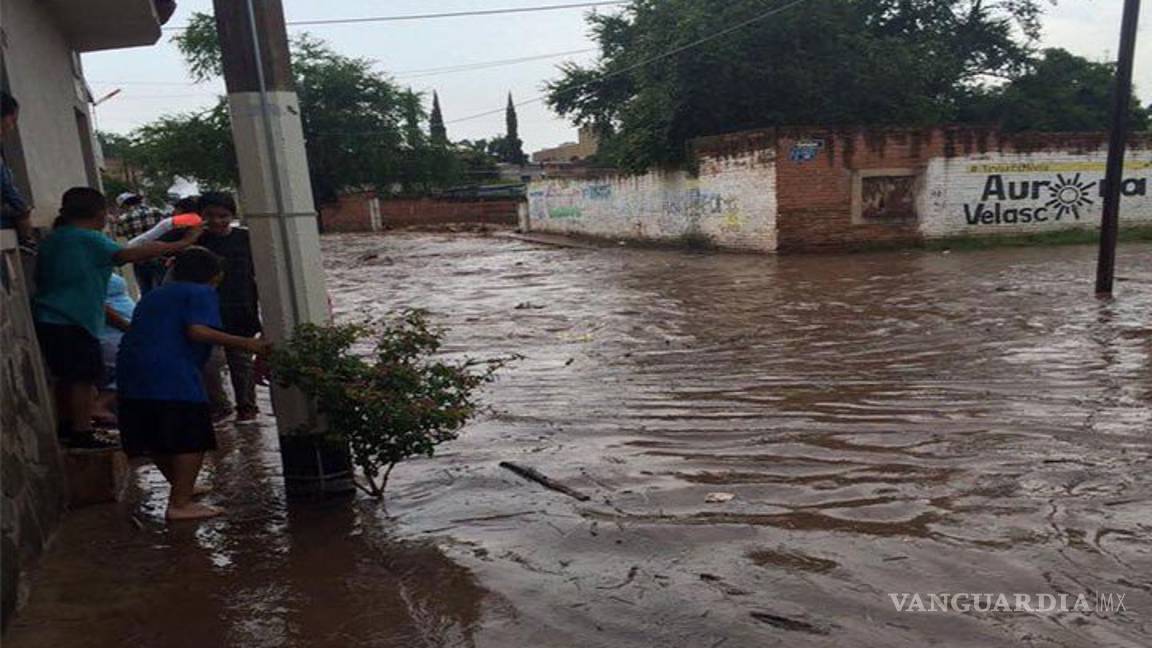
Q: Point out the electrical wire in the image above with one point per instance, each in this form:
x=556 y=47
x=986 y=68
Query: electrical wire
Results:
x=451 y=14
x=652 y=59
x=405 y=74
x=482 y=65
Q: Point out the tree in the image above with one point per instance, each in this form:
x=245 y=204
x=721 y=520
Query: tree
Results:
x=359 y=126
x=476 y=160
x=829 y=62
x=1059 y=92
x=399 y=402
x=436 y=123
x=511 y=148
x=130 y=174
x=197 y=146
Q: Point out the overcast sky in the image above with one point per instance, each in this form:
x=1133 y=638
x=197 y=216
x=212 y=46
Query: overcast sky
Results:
x=154 y=82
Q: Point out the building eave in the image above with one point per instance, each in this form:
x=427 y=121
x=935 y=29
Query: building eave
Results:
x=94 y=25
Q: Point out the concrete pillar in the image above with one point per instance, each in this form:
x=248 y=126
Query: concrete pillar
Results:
x=277 y=202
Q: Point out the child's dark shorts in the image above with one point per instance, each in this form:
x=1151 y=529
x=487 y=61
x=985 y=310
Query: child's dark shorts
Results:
x=163 y=427
x=71 y=352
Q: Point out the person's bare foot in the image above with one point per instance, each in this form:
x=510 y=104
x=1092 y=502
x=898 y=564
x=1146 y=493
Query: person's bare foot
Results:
x=193 y=511
x=200 y=490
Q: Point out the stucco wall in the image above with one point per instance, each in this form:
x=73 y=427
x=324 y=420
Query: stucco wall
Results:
x=731 y=202
x=1011 y=193
x=820 y=189
x=43 y=79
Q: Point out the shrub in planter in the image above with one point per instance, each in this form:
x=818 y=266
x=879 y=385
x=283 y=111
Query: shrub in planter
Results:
x=396 y=402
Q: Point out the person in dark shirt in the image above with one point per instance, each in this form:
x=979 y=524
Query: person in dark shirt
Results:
x=239 y=309
x=15 y=213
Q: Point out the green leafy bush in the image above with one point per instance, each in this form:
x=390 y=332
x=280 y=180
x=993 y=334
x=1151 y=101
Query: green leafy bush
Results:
x=396 y=402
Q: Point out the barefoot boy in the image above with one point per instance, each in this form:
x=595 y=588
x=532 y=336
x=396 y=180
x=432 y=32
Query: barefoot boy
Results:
x=164 y=411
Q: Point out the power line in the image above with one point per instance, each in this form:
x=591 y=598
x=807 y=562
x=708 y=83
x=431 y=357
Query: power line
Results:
x=634 y=66
x=481 y=65
x=452 y=14
x=413 y=74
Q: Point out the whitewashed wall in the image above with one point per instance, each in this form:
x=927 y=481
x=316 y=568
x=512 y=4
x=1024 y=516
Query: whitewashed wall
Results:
x=1014 y=193
x=732 y=202
x=50 y=91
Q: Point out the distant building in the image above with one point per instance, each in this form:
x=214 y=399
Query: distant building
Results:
x=568 y=152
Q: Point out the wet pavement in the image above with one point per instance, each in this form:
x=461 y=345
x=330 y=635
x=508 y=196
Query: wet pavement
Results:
x=888 y=423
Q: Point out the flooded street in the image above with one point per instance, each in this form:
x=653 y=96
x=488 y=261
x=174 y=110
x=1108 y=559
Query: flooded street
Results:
x=902 y=422
x=897 y=422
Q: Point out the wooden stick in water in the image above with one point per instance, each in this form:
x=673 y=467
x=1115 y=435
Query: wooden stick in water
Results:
x=532 y=474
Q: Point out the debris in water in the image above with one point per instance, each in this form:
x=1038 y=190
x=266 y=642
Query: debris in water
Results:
x=787 y=624
x=719 y=498
x=628 y=579
x=532 y=474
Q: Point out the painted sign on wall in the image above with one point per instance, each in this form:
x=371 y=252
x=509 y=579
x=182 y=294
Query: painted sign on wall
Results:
x=805 y=150
x=1027 y=192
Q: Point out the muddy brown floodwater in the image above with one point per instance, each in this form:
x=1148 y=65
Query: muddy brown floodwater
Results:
x=914 y=422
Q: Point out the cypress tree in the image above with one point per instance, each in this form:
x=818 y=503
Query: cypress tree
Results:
x=513 y=147
x=436 y=123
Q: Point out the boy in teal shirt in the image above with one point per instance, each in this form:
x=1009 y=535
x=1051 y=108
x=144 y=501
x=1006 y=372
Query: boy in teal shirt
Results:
x=72 y=272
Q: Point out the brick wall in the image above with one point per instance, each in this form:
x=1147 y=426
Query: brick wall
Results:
x=730 y=202
x=959 y=182
x=822 y=189
x=815 y=173
x=364 y=213
x=429 y=211
x=31 y=467
x=352 y=213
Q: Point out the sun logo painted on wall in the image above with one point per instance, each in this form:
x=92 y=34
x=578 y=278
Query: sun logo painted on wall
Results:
x=1067 y=196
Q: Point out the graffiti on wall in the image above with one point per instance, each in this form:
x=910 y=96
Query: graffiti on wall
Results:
x=569 y=201
x=1042 y=193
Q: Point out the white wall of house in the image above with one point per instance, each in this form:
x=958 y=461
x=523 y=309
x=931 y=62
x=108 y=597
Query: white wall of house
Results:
x=1021 y=193
x=731 y=202
x=44 y=76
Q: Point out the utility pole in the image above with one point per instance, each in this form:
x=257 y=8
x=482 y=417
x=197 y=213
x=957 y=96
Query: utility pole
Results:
x=277 y=197
x=1114 y=173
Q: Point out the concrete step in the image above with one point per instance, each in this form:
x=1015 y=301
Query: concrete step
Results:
x=95 y=476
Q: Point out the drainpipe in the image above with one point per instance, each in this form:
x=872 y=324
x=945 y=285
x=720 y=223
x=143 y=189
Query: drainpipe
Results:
x=280 y=213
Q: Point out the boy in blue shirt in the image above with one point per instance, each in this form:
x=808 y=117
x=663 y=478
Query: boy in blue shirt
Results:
x=72 y=271
x=164 y=411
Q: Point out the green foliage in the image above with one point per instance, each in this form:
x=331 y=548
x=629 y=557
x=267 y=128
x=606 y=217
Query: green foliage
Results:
x=510 y=149
x=197 y=146
x=477 y=159
x=826 y=62
x=354 y=120
x=399 y=402
x=200 y=47
x=439 y=133
x=1059 y=92
x=361 y=129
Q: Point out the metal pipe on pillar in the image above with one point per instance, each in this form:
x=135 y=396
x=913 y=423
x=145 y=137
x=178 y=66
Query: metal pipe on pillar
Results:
x=276 y=195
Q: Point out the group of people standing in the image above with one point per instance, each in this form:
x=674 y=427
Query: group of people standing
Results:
x=239 y=304
x=145 y=364
x=151 y=369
